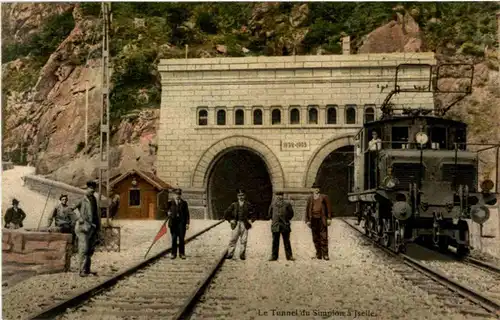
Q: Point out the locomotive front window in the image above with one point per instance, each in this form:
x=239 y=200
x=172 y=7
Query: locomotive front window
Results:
x=400 y=137
x=438 y=137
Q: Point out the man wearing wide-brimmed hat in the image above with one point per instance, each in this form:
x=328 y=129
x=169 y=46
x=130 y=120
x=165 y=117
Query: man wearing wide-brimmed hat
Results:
x=14 y=216
x=239 y=215
x=281 y=212
x=87 y=228
x=318 y=218
x=178 y=223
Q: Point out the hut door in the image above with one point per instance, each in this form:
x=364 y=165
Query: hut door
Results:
x=151 y=211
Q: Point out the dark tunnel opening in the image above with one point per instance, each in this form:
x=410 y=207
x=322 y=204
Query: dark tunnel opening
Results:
x=334 y=177
x=239 y=168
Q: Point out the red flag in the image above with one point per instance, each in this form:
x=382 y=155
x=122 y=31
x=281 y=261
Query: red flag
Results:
x=160 y=234
x=162 y=231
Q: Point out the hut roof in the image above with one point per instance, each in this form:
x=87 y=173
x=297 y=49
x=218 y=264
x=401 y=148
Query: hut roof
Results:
x=148 y=176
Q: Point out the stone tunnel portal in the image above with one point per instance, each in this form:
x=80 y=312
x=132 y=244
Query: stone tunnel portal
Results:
x=335 y=177
x=239 y=168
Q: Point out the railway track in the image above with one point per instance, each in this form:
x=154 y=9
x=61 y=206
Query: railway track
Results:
x=156 y=288
x=483 y=265
x=453 y=294
x=460 y=269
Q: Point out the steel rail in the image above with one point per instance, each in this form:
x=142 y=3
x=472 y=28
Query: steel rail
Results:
x=461 y=289
x=473 y=262
x=81 y=297
x=483 y=265
x=186 y=310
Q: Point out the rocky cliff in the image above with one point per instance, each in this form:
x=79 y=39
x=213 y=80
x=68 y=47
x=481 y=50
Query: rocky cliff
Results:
x=51 y=56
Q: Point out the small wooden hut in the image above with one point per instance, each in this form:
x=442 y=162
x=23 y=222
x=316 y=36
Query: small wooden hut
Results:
x=141 y=195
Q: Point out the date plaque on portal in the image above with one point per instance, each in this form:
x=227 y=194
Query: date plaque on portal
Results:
x=294 y=145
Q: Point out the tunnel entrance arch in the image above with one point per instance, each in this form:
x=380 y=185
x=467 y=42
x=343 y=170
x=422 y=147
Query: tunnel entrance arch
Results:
x=239 y=168
x=335 y=176
x=209 y=160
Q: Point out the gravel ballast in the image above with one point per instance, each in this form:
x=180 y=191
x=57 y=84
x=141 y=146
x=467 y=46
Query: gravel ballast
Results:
x=36 y=293
x=357 y=280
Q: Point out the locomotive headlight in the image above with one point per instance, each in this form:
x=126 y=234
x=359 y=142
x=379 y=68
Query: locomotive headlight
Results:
x=480 y=214
x=487 y=185
x=421 y=138
x=390 y=182
x=401 y=210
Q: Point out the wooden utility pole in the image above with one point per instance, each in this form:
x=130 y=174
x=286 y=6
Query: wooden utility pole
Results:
x=104 y=140
x=498 y=45
x=498 y=149
x=86 y=113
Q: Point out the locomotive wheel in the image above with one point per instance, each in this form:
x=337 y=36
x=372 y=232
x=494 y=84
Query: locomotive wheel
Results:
x=374 y=229
x=397 y=238
x=462 y=251
x=377 y=230
x=386 y=236
x=399 y=245
x=386 y=240
x=366 y=226
x=443 y=243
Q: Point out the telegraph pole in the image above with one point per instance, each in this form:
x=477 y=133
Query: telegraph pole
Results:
x=498 y=149
x=86 y=113
x=498 y=45
x=104 y=140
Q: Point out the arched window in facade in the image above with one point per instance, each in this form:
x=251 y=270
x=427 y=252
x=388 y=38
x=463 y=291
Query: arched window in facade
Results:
x=294 y=116
x=331 y=115
x=369 y=114
x=202 y=117
x=221 y=117
x=312 y=115
x=257 y=117
x=239 y=118
x=350 y=114
x=276 y=116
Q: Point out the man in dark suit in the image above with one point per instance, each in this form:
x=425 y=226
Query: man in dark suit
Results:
x=238 y=214
x=14 y=216
x=178 y=223
x=318 y=218
x=281 y=212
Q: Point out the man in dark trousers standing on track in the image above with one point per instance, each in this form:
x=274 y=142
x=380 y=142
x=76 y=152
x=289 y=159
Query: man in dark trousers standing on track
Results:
x=178 y=223
x=318 y=218
x=87 y=228
x=239 y=215
x=281 y=212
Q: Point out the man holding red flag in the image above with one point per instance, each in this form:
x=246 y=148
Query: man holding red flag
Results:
x=178 y=213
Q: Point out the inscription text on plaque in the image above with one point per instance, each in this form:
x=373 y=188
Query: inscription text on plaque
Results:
x=294 y=145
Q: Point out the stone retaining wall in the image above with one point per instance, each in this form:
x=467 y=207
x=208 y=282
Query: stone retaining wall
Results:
x=56 y=188
x=38 y=252
x=43 y=185
x=7 y=165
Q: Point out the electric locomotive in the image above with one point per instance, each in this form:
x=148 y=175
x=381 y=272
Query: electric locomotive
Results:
x=416 y=177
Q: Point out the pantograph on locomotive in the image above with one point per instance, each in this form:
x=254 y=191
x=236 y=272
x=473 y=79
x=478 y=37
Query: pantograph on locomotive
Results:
x=415 y=174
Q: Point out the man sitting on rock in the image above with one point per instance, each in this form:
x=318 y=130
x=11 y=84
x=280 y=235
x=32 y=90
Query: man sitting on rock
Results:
x=14 y=216
x=62 y=216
